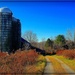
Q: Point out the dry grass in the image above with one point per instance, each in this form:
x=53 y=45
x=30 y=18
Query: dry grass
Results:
x=38 y=67
x=57 y=66
x=69 y=62
x=41 y=63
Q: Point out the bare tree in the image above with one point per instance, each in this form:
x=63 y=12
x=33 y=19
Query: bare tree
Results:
x=41 y=44
x=69 y=35
x=74 y=35
x=30 y=37
x=74 y=38
x=71 y=39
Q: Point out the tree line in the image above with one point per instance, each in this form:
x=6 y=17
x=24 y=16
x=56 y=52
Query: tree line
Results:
x=59 y=43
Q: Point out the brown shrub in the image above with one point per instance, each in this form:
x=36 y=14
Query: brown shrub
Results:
x=16 y=63
x=67 y=53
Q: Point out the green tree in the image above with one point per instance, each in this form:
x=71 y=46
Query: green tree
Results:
x=48 y=44
x=60 y=40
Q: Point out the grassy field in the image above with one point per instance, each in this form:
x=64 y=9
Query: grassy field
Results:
x=56 y=65
x=69 y=62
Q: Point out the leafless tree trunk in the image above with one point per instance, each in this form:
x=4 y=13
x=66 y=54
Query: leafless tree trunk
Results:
x=31 y=37
x=70 y=39
x=69 y=35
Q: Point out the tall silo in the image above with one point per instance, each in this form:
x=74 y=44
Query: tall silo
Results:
x=5 y=29
x=16 y=31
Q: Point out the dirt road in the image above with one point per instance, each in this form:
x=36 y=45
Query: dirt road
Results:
x=50 y=70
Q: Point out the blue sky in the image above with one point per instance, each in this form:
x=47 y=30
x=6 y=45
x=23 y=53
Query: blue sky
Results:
x=46 y=19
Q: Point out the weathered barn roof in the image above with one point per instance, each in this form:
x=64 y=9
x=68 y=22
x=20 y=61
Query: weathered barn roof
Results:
x=23 y=40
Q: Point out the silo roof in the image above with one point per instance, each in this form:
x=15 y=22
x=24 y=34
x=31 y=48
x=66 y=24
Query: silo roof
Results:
x=5 y=10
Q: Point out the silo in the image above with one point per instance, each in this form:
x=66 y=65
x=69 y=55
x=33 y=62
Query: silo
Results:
x=16 y=31
x=5 y=29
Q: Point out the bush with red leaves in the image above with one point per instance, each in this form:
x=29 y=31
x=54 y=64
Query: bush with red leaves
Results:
x=67 y=53
x=3 y=54
x=17 y=63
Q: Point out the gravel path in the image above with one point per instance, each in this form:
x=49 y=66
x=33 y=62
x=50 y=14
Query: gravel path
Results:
x=49 y=68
